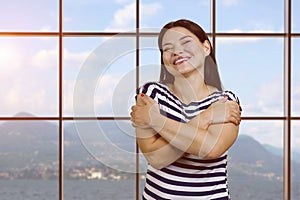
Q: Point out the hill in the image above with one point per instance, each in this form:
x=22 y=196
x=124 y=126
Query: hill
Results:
x=30 y=143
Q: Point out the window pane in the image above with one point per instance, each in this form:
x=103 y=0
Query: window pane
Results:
x=255 y=164
x=99 y=160
x=253 y=68
x=295 y=164
x=29 y=160
x=250 y=16
x=29 y=15
x=76 y=52
x=157 y=14
x=29 y=76
x=295 y=16
x=108 y=16
x=295 y=77
x=105 y=81
x=149 y=60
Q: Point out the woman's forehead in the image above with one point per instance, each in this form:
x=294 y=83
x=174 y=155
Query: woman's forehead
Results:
x=177 y=33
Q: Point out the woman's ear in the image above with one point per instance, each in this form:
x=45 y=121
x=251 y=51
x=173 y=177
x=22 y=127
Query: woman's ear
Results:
x=206 y=47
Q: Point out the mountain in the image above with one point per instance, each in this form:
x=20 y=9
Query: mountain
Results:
x=34 y=143
x=250 y=158
x=279 y=151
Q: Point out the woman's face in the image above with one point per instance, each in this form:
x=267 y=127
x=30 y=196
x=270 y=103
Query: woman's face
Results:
x=183 y=53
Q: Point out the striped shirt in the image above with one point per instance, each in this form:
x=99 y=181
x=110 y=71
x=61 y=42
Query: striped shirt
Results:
x=190 y=177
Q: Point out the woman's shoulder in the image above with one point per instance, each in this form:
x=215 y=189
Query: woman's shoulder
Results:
x=149 y=87
x=231 y=95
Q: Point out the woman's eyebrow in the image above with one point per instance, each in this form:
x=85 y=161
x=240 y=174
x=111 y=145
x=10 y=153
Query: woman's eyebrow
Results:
x=186 y=36
x=168 y=43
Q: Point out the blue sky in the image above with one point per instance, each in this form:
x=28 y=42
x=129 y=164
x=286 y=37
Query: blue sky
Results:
x=251 y=67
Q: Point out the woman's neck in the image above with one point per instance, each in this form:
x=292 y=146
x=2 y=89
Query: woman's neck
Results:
x=192 y=88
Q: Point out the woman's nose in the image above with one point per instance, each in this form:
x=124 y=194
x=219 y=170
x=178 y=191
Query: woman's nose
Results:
x=177 y=50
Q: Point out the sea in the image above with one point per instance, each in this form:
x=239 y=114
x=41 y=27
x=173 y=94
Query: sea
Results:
x=123 y=190
x=73 y=190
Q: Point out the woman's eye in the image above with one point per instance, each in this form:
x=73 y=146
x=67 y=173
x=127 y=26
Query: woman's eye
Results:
x=166 y=49
x=187 y=41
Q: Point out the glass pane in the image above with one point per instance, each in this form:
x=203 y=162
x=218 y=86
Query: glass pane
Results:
x=108 y=16
x=76 y=52
x=149 y=60
x=102 y=81
x=154 y=15
x=29 y=160
x=295 y=16
x=295 y=77
x=253 y=68
x=29 y=76
x=255 y=164
x=30 y=15
x=250 y=16
x=99 y=160
x=295 y=165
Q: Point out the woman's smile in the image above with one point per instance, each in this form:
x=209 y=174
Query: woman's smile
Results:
x=179 y=60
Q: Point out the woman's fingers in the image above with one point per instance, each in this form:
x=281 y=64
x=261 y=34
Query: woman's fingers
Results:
x=234 y=113
x=145 y=99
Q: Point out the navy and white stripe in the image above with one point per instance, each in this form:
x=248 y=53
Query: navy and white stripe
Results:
x=190 y=177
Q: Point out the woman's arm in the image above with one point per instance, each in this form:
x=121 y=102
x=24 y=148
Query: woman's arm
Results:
x=157 y=151
x=189 y=137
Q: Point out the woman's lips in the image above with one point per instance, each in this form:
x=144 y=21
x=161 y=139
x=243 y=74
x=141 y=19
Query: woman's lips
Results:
x=180 y=60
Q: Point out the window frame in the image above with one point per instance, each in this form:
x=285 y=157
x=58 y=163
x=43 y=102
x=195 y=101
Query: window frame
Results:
x=287 y=36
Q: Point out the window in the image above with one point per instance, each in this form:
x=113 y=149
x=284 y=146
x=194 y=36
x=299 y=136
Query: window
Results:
x=69 y=72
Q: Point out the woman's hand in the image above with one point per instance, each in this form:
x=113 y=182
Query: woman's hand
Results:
x=142 y=114
x=224 y=111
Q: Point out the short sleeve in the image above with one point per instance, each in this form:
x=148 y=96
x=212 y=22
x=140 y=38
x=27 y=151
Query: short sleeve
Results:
x=150 y=89
x=232 y=97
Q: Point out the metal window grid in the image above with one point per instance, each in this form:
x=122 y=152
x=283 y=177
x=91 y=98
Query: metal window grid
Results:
x=287 y=118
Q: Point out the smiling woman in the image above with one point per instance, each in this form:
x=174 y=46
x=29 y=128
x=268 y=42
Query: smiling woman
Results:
x=185 y=124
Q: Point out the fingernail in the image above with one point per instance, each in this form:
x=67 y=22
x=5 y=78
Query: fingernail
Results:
x=142 y=95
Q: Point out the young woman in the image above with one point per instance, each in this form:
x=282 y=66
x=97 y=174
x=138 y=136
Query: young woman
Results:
x=185 y=123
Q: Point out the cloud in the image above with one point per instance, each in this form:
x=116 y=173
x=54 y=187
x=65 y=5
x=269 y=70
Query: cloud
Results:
x=295 y=137
x=45 y=58
x=239 y=39
x=72 y=59
x=10 y=58
x=86 y=98
x=34 y=94
x=269 y=97
x=296 y=100
x=150 y=9
x=48 y=58
x=266 y=132
x=124 y=19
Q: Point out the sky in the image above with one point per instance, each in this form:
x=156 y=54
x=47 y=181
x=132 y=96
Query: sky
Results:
x=99 y=73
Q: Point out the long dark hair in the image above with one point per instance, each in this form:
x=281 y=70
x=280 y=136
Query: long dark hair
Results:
x=211 y=74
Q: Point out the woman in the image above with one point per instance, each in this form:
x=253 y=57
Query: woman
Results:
x=185 y=123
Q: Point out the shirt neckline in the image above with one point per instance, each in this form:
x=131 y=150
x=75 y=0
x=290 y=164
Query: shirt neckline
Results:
x=192 y=102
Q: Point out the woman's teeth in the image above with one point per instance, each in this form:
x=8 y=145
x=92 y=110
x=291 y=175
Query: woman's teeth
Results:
x=180 y=60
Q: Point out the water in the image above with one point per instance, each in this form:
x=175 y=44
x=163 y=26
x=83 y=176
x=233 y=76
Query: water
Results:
x=125 y=190
x=28 y=189
x=73 y=190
